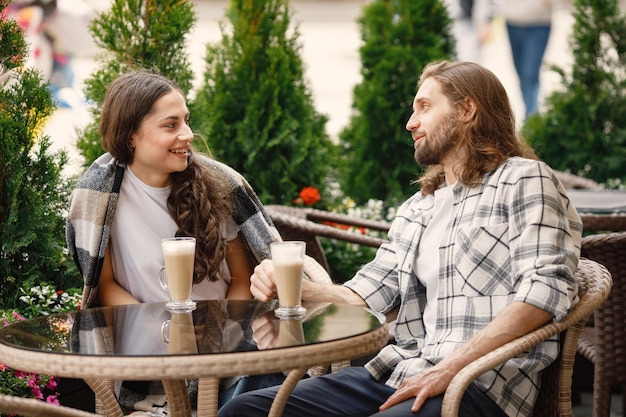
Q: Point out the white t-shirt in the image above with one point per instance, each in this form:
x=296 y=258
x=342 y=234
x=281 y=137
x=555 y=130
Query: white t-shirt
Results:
x=426 y=265
x=136 y=243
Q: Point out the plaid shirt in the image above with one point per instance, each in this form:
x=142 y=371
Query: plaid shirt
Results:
x=514 y=237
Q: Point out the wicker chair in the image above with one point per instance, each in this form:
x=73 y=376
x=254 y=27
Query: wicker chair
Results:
x=555 y=394
x=604 y=222
x=36 y=408
x=604 y=343
x=575 y=182
x=307 y=224
x=328 y=216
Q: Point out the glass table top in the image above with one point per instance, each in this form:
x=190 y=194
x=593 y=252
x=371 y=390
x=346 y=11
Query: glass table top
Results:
x=215 y=326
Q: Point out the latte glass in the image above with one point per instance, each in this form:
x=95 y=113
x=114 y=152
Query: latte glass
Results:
x=177 y=276
x=288 y=260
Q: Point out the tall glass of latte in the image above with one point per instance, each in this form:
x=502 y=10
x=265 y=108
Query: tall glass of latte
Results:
x=177 y=276
x=288 y=260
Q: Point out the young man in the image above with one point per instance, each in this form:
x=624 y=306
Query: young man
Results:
x=484 y=253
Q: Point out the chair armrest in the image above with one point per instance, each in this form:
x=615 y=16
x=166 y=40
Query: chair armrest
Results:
x=603 y=222
x=329 y=216
x=307 y=227
x=456 y=389
x=317 y=215
x=594 y=286
x=33 y=407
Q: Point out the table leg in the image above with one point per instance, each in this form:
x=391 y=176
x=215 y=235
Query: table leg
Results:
x=105 y=396
x=208 y=389
x=278 y=406
x=178 y=403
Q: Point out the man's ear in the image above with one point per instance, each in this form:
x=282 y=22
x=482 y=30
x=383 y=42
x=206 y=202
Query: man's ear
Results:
x=468 y=109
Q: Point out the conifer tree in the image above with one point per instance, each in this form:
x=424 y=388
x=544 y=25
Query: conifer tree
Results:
x=254 y=107
x=583 y=129
x=136 y=35
x=33 y=191
x=399 y=38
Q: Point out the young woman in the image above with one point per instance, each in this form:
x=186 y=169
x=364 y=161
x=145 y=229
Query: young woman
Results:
x=150 y=185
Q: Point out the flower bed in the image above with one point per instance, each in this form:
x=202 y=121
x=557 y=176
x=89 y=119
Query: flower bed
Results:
x=38 y=300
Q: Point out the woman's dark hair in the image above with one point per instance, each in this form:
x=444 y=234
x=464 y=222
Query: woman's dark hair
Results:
x=198 y=201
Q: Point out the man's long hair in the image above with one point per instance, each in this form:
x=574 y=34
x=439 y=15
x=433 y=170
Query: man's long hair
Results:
x=490 y=137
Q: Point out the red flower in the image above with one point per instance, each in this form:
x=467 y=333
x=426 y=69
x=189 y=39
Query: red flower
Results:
x=308 y=196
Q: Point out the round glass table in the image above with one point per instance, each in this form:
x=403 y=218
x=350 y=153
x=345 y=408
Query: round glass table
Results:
x=218 y=339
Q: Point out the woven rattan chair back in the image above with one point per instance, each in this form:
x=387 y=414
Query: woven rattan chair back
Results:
x=555 y=395
x=307 y=224
x=604 y=343
x=576 y=182
x=604 y=222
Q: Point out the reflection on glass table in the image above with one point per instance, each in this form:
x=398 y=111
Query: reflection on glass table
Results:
x=220 y=338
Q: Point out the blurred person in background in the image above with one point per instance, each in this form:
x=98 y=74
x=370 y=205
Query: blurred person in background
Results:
x=471 y=26
x=528 y=25
x=56 y=31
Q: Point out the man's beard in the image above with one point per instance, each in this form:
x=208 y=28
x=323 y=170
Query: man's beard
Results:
x=435 y=145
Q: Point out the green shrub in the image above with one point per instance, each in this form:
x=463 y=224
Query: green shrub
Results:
x=583 y=129
x=33 y=192
x=135 y=35
x=399 y=38
x=255 y=109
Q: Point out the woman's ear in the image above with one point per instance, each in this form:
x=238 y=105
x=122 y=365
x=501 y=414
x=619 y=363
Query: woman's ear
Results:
x=468 y=109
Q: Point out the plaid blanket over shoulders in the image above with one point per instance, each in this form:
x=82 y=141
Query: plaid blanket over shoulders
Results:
x=94 y=200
